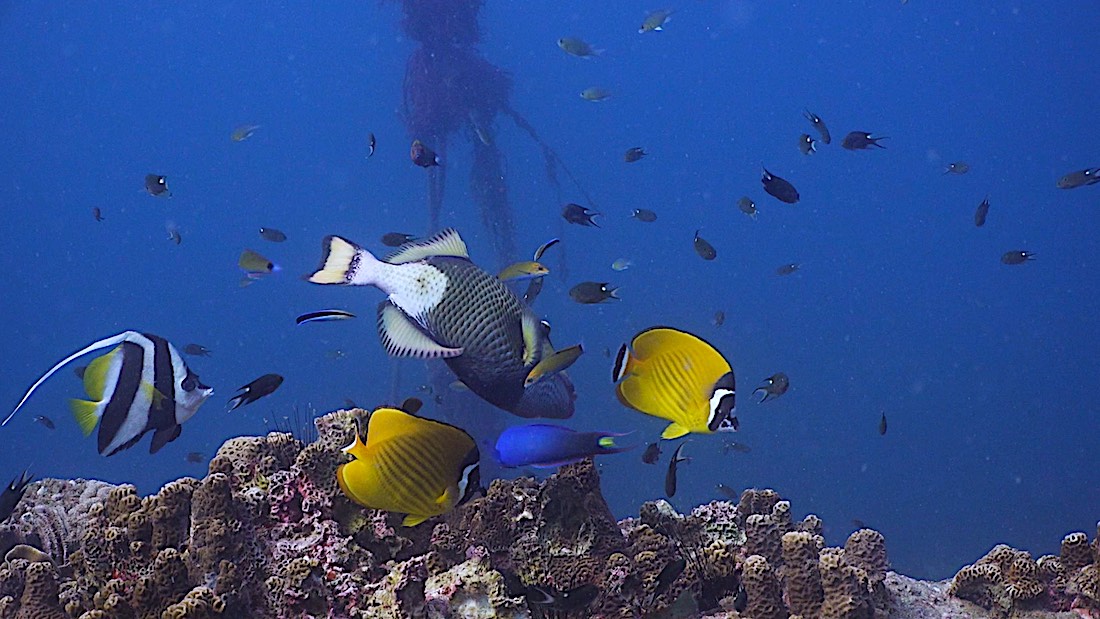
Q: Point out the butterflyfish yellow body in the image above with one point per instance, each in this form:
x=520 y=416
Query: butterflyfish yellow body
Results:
x=410 y=465
x=679 y=377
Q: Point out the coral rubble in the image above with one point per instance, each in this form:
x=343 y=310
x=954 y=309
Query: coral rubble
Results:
x=267 y=533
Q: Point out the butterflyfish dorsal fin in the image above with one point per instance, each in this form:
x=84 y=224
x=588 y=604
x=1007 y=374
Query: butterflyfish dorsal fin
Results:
x=104 y=343
x=445 y=243
x=86 y=414
x=389 y=423
x=95 y=375
x=401 y=337
x=357 y=447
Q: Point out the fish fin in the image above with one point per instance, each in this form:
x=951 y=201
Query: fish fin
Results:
x=156 y=398
x=532 y=327
x=339 y=262
x=673 y=431
x=445 y=243
x=412 y=520
x=86 y=414
x=387 y=423
x=357 y=448
x=104 y=343
x=95 y=375
x=402 y=337
x=163 y=436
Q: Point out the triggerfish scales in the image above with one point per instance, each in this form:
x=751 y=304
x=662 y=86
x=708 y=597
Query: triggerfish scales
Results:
x=674 y=375
x=143 y=385
x=546 y=446
x=410 y=465
x=443 y=306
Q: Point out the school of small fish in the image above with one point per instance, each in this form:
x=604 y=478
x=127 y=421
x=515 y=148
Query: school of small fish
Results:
x=440 y=304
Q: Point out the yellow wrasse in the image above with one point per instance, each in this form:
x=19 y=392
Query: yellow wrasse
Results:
x=677 y=376
x=411 y=465
x=525 y=269
x=554 y=363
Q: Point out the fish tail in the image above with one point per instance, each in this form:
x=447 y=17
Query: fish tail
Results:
x=86 y=414
x=608 y=445
x=343 y=263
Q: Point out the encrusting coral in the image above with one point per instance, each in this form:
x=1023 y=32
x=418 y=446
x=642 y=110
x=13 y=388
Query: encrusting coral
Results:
x=267 y=533
x=1007 y=580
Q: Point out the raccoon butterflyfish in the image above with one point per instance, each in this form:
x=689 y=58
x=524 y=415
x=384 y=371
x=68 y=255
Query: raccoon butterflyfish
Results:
x=415 y=466
x=443 y=306
x=143 y=385
x=677 y=376
x=544 y=446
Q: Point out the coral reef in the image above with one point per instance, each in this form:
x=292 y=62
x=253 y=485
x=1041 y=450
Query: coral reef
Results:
x=267 y=533
x=1006 y=581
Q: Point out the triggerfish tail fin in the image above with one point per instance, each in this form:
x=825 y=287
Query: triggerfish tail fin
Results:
x=86 y=414
x=104 y=343
x=343 y=263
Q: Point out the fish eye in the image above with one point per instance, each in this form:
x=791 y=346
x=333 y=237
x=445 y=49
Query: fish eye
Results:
x=190 y=382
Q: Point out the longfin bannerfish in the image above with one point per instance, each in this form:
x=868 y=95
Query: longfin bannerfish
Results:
x=410 y=465
x=679 y=377
x=441 y=305
x=141 y=386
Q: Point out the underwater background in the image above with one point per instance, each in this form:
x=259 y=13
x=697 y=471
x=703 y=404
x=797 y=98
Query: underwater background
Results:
x=987 y=372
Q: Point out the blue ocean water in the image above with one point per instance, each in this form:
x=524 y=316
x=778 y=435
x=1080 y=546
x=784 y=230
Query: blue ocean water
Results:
x=987 y=373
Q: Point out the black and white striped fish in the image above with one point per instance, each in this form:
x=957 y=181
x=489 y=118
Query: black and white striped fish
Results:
x=443 y=306
x=141 y=386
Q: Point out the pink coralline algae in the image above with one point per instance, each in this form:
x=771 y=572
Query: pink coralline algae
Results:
x=267 y=533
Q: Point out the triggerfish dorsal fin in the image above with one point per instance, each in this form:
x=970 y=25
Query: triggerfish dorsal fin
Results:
x=104 y=343
x=86 y=414
x=445 y=243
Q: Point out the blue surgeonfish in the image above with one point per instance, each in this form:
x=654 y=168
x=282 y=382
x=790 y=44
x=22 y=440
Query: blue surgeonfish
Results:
x=415 y=466
x=676 y=376
x=545 y=446
x=143 y=385
x=442 y=306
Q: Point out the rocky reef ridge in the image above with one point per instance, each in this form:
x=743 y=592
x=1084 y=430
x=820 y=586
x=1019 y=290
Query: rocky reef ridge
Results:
x=267 y=533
